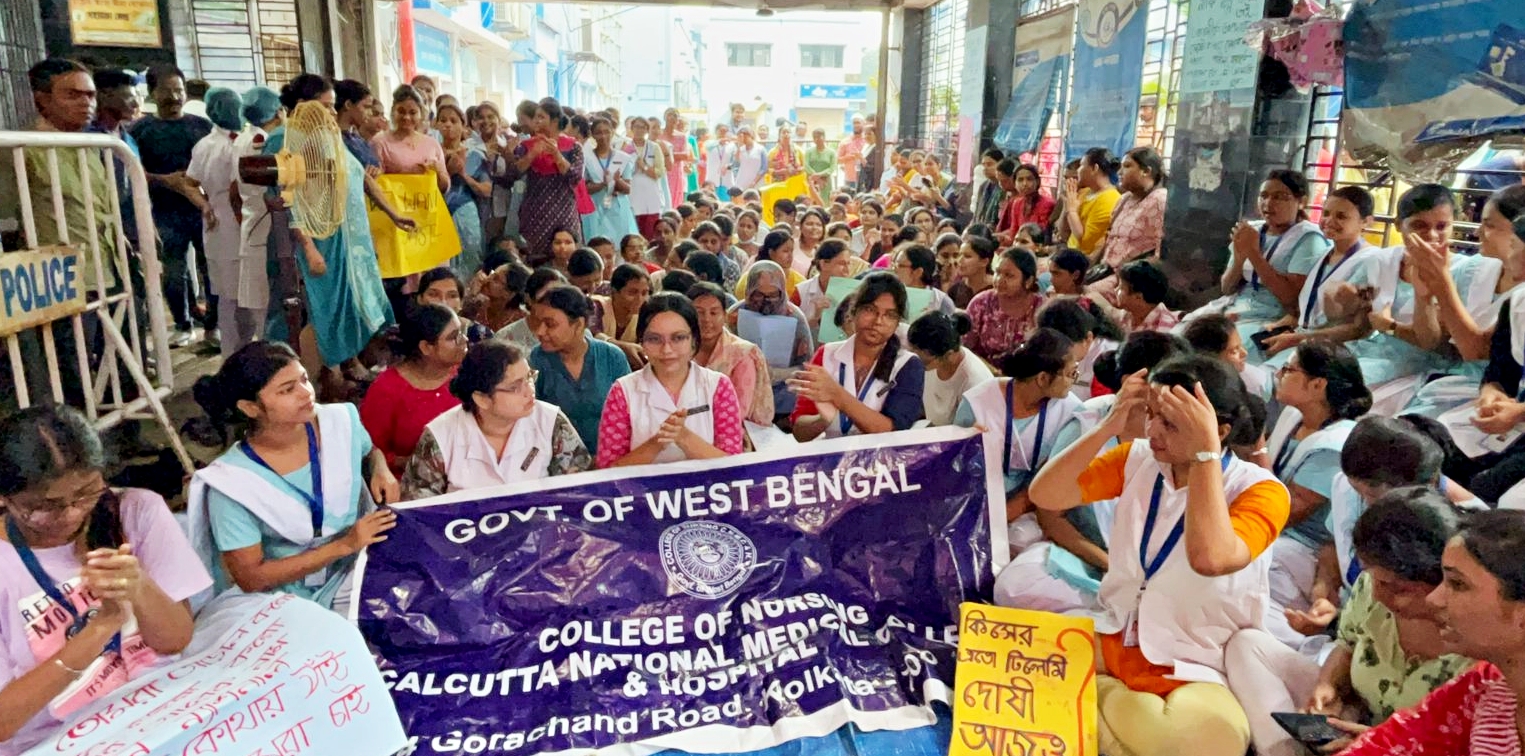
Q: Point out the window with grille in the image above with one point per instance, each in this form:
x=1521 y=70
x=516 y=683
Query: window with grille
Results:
x=21 y=46
x=1164 y=42
x=821 y=56
x=942 y=75
x=243 y=43
x=1329 y=166
x=1164 y=38
x=1050 y=157
x=748 y=54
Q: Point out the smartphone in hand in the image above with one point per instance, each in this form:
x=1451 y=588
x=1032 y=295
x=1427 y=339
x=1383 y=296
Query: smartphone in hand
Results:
x=1312 y=730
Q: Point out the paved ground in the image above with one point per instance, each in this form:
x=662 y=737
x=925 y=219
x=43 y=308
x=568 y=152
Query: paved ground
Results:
x=190 y=363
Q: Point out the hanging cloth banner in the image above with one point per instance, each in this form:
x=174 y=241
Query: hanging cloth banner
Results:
x=1419 y=72
x=416 y=196
x=1040 y=75
x=728 y=605
x=1109 y=76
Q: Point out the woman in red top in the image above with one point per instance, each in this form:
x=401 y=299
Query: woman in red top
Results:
x=1481 y=600
x=1027 y=202
x=431 y=342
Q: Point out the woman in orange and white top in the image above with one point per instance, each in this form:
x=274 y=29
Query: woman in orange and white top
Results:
x=1190 y=555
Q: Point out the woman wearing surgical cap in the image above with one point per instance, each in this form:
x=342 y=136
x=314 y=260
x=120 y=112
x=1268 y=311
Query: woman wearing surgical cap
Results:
x=214 y=164
x=249 y=295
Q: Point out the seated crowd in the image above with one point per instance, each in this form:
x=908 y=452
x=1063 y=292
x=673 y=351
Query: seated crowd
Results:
x=1309 y=482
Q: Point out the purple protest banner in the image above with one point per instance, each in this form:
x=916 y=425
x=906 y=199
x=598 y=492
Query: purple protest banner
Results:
x=727 y=605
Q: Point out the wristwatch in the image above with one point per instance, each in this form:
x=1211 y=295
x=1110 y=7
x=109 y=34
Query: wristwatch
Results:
x=1207 y=456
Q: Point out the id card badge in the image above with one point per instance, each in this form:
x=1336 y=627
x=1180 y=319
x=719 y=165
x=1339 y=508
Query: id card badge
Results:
x=1130 y=630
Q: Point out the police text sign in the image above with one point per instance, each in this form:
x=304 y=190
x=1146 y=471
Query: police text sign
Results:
x=38 y=286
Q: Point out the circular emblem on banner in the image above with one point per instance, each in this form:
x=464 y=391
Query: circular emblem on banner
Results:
x=707 y=559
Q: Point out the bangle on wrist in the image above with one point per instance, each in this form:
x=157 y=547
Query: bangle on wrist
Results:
x=75 y=673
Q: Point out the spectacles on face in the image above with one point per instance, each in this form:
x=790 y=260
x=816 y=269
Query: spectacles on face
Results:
x=654 y=341
x=457 y=336
x=891 y=315
x=522 y=386
x=1288 y=369
x=47 y=511
x=758 y=298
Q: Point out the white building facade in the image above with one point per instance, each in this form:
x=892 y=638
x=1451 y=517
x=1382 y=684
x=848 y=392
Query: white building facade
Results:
x=661 y=63
x=503 y=51
x=794 y=65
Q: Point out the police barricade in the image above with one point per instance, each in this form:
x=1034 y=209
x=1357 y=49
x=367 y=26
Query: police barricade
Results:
x=72 y=305
x=727 y=605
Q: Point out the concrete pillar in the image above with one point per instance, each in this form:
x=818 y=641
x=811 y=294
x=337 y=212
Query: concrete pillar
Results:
x=995 y=23
x=912 y=98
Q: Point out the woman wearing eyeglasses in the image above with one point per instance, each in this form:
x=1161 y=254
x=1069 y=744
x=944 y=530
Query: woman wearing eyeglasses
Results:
x=498 y=434
x=866 y=383
x=94 y=581
x=764 y=291
x=1322 y=395
x=672 y=409
x=431 y=342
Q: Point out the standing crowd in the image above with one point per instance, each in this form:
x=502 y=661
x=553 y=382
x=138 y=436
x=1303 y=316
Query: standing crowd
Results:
x=1312 y=484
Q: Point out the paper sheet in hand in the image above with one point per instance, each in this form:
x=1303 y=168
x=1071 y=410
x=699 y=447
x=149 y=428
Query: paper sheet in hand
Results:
x=917 y=301
x=839 y=289
x=1472 y=441
x=774 y=334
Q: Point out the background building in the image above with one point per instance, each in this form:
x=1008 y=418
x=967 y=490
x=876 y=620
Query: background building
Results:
x=660 y=61
x=793 y=65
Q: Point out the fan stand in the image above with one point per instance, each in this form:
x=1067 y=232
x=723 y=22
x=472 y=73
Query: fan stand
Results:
x=261 y=170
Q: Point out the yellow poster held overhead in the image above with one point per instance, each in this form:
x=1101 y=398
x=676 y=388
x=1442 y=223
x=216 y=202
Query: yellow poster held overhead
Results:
x=416 y=196
x=794 y=186
x=1025 y=684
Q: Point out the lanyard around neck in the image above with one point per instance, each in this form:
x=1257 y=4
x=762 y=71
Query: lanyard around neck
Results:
x=1032 y=466
x=50 y=587
x=314 y=500
x=1151 y=566
x=1320 y=277
x=846 y=423
x=1269 y=253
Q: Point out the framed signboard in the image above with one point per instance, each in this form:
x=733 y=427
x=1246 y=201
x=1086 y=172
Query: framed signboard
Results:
x=115 y=23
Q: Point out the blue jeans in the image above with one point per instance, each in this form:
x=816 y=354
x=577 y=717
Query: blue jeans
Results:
x=178 y=236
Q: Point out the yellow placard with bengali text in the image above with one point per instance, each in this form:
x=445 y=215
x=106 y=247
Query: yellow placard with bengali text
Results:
x=38 y=286
x=787 y=189
x=115 y=23
x=402 y=253
x=1025 y=684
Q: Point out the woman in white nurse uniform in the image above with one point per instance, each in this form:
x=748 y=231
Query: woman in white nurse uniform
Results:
x=866 y=383
x=1189 y=555
x=672 y=409
x=499 y=435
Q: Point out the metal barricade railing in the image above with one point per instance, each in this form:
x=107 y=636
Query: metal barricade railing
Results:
x=106 y=396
